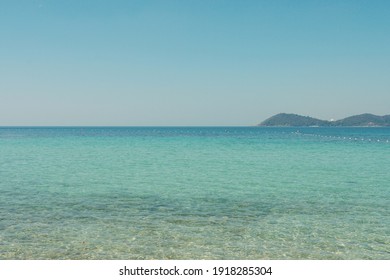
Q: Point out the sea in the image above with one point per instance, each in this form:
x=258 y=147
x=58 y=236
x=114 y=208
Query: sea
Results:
x=202 y=193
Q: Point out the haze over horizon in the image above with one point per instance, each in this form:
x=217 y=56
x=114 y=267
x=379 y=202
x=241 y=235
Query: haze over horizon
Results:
x=191 y=63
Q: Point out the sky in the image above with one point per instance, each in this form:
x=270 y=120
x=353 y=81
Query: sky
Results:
x=191 y=62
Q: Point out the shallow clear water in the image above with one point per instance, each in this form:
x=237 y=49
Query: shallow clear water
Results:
x=194 y=193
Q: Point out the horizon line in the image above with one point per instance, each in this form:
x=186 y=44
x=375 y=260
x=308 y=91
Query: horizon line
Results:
x=81 y=126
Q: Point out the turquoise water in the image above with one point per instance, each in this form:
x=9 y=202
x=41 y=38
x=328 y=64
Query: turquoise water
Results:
x=195 y=193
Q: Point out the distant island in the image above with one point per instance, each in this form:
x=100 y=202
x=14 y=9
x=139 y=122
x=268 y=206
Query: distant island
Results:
x=284 y=119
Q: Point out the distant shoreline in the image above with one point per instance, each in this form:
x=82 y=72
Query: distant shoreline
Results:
x=294 y=120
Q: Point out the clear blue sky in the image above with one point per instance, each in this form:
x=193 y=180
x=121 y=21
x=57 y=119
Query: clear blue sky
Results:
x=200 y=62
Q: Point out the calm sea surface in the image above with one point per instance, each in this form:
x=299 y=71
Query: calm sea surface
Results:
x=195 y=193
